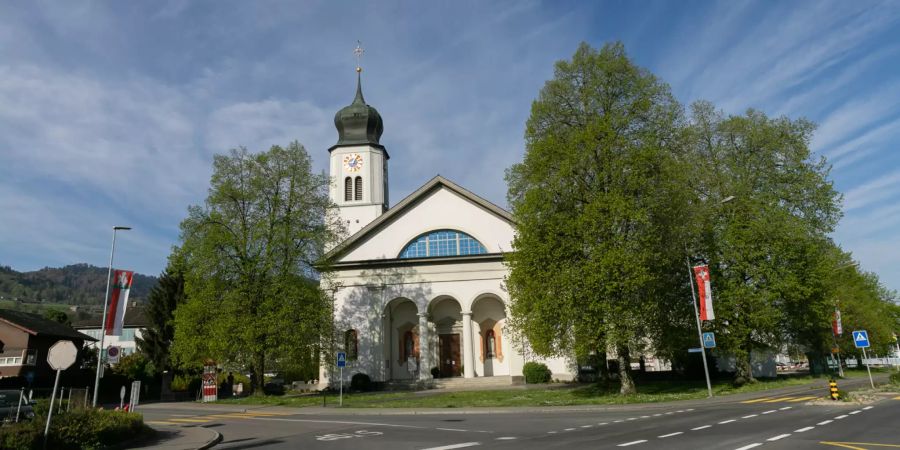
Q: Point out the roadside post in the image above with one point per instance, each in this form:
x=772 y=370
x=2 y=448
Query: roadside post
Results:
x=832 y=385
x=699 y=329
x=341 y=362
x=19 y=408
x=861 y=340
x=61 y=356
x=122 y=397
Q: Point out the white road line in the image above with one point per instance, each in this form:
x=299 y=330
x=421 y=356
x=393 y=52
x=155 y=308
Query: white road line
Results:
x=645 y=417
x=671 y=434
x=689 y=409
x=746 y=447
x=670 y=412
x=449 y=447
x=770 y=411
x=602 y=423
x=680 y=410
x=551 y=432
x=751 y=415
x=727 y=421
x=586 y=426
x=825 y=422
x=632 y=443
x=657 y=415
x=842 y=416
x=785 y=408
x=855 y=412
x=631 y=418
x=450 y=429
x=506 y=438
x=803 y=429
x=342 y=422
x=700 y=428
x=569 y=429
x=617 y=421
x=867 y=408
x=780 y=436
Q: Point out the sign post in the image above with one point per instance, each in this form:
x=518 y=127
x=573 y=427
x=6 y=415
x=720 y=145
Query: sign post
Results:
x=861 y=340
x=699 y=329
x=61 y=356
x=122 y=398
x=341 y=362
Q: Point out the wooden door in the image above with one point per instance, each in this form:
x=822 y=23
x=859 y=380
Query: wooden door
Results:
x=450 y=358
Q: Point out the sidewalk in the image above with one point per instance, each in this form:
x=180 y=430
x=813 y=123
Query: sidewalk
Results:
x=181 y=438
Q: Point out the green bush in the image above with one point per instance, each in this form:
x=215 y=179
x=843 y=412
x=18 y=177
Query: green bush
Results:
x=189 y=383
x=90 y=428
x=536 y=373
x=360 y=383
x=24 y=435
x=895 y=378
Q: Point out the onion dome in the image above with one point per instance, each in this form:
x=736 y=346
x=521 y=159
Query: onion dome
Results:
x=358 y=123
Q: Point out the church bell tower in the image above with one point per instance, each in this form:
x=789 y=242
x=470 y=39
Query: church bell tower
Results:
x=359 y=163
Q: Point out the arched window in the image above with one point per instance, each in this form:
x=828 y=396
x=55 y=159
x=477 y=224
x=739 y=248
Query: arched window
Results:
x=442 y=243
x=490 y=343
x=351 y=345
x=358 y=191
x=348 y=189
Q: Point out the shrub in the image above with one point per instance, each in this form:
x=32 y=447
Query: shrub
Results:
x=536 y=373
x=435 y=372
x=89 y=428
x=895 y=378
x=360 y=382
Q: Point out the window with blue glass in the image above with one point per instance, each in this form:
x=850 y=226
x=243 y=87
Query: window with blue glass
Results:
x=127 y=334
x=442 y=243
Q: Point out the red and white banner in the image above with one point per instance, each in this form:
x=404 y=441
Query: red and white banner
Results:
x=836 y=326
x=701 y=274
x=118 y=302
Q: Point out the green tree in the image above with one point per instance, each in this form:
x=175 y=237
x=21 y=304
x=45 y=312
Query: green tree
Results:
x=763 y=246
x=57 y=316
x=600 y=211
x=252 y=300
x=164 y=298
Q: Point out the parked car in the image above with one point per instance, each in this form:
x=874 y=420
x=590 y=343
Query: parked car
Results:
x=9 y=403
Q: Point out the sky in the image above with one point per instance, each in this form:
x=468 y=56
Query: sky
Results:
x=111 y=112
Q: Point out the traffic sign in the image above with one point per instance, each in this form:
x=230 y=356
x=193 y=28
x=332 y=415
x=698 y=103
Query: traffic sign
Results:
x=341 y=359
x=62 y=354
x=709 y=340
x=112 y=354
x=695 y=350
x=861 y=339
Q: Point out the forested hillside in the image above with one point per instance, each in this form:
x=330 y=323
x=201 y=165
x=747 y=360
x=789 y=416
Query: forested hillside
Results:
x=77 y=284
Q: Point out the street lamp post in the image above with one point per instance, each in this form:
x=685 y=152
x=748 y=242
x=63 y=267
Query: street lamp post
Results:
x=103 y=321
x=837 y=354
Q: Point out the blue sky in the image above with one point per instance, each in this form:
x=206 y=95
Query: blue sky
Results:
x=110 y=112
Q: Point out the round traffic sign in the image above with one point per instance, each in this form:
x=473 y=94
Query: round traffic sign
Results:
x=62 y=354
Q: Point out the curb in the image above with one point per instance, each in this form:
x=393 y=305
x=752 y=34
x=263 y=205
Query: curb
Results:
x=212 y=443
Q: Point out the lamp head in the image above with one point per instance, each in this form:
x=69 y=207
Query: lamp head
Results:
x=121 y=228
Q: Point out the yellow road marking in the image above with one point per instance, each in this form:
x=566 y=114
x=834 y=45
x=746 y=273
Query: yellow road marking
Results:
x=756 y=400
x=801 y=399
x=853 y=445
x=779 y=399
x=191 y=420
x=161 y=422
x=897 y=398
x=230 y=416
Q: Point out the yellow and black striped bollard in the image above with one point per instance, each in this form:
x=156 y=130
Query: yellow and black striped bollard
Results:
x=834 y=390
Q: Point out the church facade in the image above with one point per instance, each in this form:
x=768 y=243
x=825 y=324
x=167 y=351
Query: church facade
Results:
x=417 y=287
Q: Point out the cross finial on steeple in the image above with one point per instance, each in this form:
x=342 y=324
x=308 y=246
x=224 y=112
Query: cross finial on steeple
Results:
x=358 y=51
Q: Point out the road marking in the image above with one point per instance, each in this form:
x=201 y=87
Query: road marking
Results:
x=853 y=445
x=602 y=423
x=691 y=409
x=854 y=412
x=632 y=443
x=780 y=436
x=631 y=418
x=657 y=415
x=568 y=429
x=670 y=412
x=785 y=408
x=770 y=411
x=840 y=417
x=163 y=422
x=450 y=429
x=746 y=447
x=551 y=432
x=755 y=400
x=870 y=407
x=727 y=421
x=586 y=426
x=680 y=410
x=645 y=417
x=617 y=421
x=779 y=399
x=671 y=434
x=800 y=399
x=801 y=430
x=344 y=422
x=506 y=438
x=450 y=447
x=191 y=420
x=825 y=422
x=700 y=428
x=751 y=415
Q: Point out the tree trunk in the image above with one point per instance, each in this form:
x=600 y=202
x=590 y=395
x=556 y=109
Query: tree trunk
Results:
x=259 y=374
x=602 y=369
x=743 y=373
x=627 y=384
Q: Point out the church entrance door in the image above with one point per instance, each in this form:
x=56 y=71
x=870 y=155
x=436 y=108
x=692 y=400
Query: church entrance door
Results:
x=450 y=358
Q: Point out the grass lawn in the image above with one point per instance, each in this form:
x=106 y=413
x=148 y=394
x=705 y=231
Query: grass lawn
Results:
x=551 y=395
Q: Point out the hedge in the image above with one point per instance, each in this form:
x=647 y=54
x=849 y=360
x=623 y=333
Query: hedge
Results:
x=82 y=429
x=536 y=373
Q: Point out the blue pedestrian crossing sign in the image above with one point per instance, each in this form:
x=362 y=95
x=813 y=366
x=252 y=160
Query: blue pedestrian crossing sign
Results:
x=709 y=340
x=861 y=339
x=342 y=359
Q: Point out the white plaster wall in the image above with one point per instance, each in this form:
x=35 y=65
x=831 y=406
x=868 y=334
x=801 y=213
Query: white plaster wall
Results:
x=441 y=209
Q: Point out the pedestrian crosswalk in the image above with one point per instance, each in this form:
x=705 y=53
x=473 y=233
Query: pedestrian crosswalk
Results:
x=195 y=420
x=781 y=399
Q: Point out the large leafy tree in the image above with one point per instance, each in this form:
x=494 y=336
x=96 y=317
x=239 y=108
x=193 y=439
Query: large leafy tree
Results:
x=600 y=209
x=767 y=244
x=252 y=300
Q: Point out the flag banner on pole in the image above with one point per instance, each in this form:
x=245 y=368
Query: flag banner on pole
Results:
x=701 y=273
x=118 y=302
x=836 y=326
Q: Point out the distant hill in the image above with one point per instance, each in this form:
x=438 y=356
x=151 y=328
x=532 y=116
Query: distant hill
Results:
x=83 y=285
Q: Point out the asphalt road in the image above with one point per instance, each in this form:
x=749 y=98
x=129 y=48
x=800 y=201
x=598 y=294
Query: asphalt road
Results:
x=775 y=419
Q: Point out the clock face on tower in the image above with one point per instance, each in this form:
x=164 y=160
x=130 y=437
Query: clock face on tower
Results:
x=353 y=162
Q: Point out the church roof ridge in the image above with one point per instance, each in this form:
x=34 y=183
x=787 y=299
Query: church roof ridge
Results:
x=411 y=199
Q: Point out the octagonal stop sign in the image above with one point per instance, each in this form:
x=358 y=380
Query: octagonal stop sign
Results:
x=62 y=354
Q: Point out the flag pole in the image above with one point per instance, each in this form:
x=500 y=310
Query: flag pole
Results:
x=699 y=330
x=112 y=251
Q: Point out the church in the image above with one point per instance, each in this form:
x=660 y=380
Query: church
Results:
x=417 y=287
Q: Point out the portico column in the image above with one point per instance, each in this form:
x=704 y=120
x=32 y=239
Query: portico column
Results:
x=468 y=360
x=424 y=351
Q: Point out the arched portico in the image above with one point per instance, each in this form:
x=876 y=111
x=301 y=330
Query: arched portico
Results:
x=447 y=316
x=489 y=317
x=402 y=349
